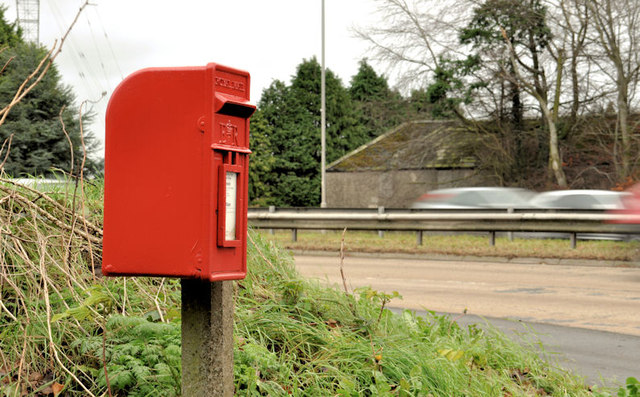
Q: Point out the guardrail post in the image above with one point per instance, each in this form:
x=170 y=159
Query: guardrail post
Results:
x=510 y=234
x=294 y=235
x=419 y=237
x=492 y=238
x=573 y=239
x=272 y=209
x=380 y=232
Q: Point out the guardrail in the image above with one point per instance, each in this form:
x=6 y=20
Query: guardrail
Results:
x=490 y=221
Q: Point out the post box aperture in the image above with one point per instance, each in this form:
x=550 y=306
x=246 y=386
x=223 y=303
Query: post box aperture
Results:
x=176 y=174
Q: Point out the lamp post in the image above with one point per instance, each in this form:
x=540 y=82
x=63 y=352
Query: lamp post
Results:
x=323 y=126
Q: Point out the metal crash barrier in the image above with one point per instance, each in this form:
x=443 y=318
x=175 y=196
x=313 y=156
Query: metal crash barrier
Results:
x=569 y=223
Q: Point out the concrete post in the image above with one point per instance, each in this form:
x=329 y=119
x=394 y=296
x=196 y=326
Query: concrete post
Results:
x=207 y=338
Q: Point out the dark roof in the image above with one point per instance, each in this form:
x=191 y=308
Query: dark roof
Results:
x=413 y=145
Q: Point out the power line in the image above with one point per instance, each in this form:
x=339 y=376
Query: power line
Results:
x=78 y=57
x=106 y=36
x=99 y=55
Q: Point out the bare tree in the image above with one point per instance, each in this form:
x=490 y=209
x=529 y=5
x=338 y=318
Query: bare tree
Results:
x=616 y=31
x=413 y=35
x=527 y=69
x=553 y=59
x=569 y=21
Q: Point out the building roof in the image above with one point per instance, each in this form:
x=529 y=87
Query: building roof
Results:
x=413 y=145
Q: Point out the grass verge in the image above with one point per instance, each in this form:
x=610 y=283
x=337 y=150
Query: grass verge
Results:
x=64 y=330
x=458 y=245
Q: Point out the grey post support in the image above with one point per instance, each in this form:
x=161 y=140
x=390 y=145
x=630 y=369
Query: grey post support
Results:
x=272 y=209
x=381 y=232
x=510 y=234
x=207 y=338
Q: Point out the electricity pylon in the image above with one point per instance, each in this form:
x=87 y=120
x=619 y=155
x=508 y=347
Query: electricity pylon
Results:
x=29 y=19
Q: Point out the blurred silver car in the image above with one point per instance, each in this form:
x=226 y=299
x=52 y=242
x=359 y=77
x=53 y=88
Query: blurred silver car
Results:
x=475 y=197
x=587 y=199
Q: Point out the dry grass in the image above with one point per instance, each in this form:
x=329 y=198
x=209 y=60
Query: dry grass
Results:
x=459 y=245
x=51 y=291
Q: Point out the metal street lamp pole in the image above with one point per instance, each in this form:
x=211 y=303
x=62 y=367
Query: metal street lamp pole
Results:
x=323 y=125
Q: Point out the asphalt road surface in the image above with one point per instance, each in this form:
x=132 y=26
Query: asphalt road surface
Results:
x=590 y=315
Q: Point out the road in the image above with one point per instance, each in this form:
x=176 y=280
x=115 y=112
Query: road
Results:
x=590 y=314
x=600 y=298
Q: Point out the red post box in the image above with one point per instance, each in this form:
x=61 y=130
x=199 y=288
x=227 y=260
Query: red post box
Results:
x=176 y=174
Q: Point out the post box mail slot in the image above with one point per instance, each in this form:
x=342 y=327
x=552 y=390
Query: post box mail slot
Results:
x=176 y=174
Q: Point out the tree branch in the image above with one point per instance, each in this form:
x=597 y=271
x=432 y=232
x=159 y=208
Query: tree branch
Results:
x=41 y=70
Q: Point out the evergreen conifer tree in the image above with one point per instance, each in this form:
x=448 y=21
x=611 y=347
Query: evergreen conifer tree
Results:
x=38 y=143
x=290 y=122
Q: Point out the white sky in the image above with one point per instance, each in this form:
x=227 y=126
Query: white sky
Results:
x=114 y=38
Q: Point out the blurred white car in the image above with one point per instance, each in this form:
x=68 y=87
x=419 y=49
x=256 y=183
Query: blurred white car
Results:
x=587 y=199
x=475 y=197
x=43 y=184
